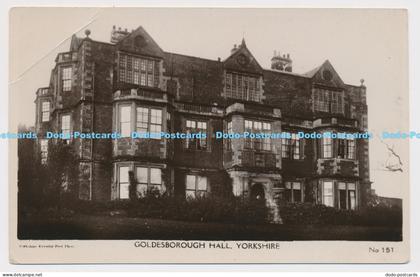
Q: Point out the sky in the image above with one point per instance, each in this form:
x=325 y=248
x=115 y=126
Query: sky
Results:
x=360 y=44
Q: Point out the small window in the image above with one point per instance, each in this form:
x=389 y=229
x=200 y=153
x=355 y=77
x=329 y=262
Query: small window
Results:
x=196 y=127
x=293 y=192
x=259 y=127
x=196 y=186
x=328 y=194
x=66 y=78
x=45 y=111
x=66 y=125
x=125 y=121
x=292 y=147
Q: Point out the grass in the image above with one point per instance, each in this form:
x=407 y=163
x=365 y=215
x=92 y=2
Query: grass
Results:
x=106 y=227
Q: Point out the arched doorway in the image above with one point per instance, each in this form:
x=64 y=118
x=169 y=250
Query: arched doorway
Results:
x=257 y=192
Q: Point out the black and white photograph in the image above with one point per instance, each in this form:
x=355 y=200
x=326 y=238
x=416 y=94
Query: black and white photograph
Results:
x=223 y=129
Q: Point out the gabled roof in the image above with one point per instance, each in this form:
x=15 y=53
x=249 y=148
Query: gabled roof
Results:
x=140 y=42
x=243 y=60
x=325 y=75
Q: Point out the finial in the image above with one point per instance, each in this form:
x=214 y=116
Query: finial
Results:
x=362 y=81
x=243 y=42
x=87 y=32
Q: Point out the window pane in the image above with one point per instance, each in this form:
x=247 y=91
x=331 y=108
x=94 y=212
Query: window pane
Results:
x=351 y=186
x=124 y=191
x=296 y=185
x=352 y=199
x=125 y=121
x=123 y=178
x=156 y=116
x=155 y=176
x=190 y=182
x=342 y=186
x=202 y=183
x=328 y=194
x=190 y=194
x=141 y=174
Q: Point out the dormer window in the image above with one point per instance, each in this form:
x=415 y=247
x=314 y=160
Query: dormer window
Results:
x=241 y=86
x=138 y=71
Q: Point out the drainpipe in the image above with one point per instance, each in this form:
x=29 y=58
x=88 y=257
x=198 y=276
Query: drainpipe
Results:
x=92 y=126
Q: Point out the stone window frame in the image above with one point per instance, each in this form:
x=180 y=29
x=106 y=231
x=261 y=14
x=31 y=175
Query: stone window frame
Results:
x=45 y=110
x=152 y=124
x=292 y=148
x=196 y=192
x=133 y=167
x=237 y=86
x=331 y=196
x=68 y=130
x=149 y=183
x=346 y=148
x=290 y=185
x=348 y=189
x=199 y=144
x=264 y=144
x=66 y=78
x=138 y=70
x=327 y=100
x=327 y=147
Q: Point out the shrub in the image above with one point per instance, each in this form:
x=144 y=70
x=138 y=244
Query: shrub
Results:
x=202 y=209
x=310 y=214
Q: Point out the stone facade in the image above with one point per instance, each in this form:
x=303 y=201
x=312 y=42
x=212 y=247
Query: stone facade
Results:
x=131 y=84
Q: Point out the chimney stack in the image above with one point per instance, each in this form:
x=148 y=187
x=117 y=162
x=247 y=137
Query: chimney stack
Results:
x=281 y=62
x=117 y=35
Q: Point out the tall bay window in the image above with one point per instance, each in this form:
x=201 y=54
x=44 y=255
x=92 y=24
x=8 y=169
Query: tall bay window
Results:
x=66 y=78
x=138 y=70
x=347 y=194
x=195 y=127
x=45 y=111
x=291 y=148
x=240 y=86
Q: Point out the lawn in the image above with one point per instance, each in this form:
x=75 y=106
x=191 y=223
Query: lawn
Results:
x=104 y=227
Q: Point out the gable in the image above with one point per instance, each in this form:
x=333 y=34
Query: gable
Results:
x=326 y=75
x=243 y=61
x=140 y=42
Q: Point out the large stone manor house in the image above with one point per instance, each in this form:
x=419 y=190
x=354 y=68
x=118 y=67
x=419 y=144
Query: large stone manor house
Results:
x=130 y=84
